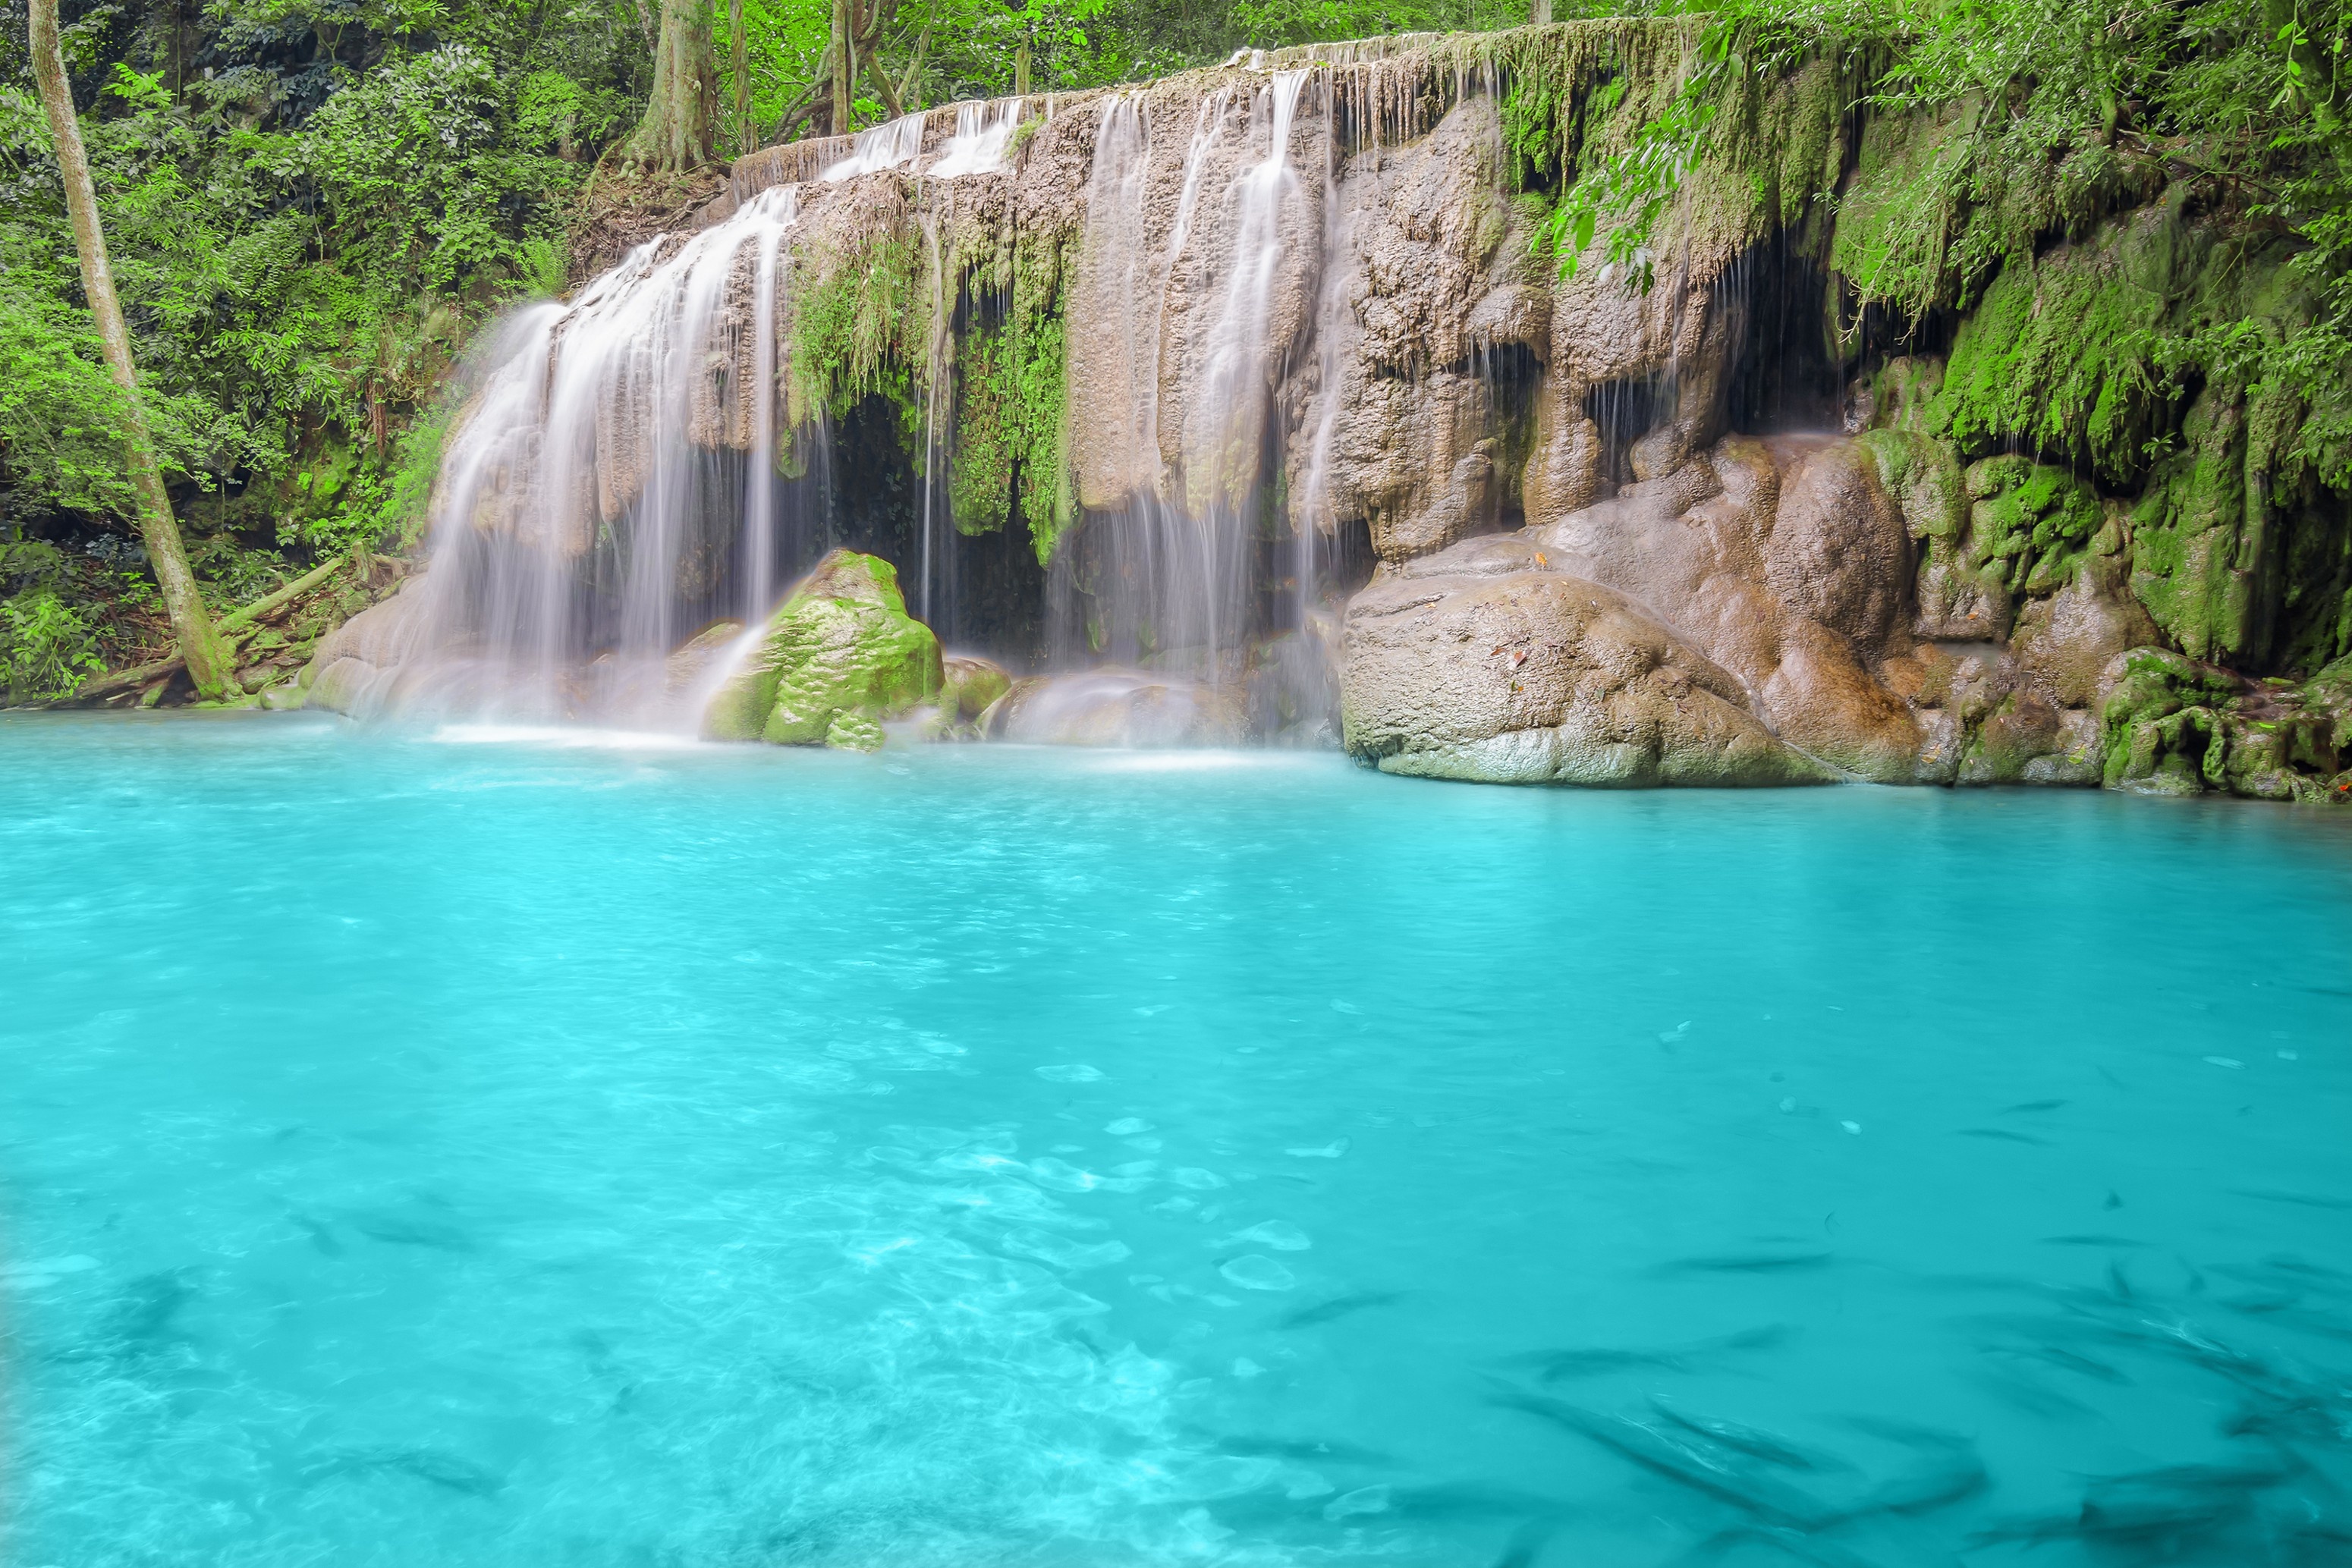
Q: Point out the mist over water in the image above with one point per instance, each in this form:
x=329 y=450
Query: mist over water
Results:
x=452 y=1147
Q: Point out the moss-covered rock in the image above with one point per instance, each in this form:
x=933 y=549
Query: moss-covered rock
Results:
x=1901 y=396
x=2026 y=739
x=2160 y=721
x=1955 y=597
x=2029 y=520
x=838 y=658
x=2066 y=640
x=2171 y=725
x=2192 y=543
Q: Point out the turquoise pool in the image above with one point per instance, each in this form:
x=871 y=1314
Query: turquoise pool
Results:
x=490 y=1148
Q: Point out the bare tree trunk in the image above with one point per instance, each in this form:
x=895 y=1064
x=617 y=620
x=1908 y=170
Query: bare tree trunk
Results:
x=1542 y=13
x=739 y=57
x=844 y=62
x=209 y=660
x=675 y=134
x=1021 y=69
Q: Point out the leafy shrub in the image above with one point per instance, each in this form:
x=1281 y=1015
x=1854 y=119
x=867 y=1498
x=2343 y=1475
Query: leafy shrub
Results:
x=46 y=647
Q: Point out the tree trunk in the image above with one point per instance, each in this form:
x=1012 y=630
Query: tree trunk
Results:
x=740 y=59
x=1021 y=69
x=844 y=62
x=209 y=659
x=675 y=134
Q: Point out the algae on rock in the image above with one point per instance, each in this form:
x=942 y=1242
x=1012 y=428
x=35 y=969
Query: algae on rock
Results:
x=838 y=658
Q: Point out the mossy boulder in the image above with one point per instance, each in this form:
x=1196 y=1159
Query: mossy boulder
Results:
x=1900 y=397
x=840 y=657
x=2171 y=725
x=2161 y=726
x=1955 y=597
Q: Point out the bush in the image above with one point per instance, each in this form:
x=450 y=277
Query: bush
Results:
x=46 y=648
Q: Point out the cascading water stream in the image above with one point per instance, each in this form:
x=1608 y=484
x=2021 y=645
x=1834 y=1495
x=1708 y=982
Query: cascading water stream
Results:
x=890 y=145
x=1194 y=348
x=575 y=512
x=982 y=132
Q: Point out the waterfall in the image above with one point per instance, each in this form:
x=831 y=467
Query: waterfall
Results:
x=891 y=145
x=586 y=519
x=981 y=133
x=1198 y=324
x=1212 y=345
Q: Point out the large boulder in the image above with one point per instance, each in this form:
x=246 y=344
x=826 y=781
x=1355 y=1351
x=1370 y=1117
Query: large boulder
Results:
x=1534 y=676
x=356 y=667
x=1114 y=707
x=838 y=658
x=1783 y=562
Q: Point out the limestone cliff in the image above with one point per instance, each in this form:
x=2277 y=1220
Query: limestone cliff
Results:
x=1256 y=384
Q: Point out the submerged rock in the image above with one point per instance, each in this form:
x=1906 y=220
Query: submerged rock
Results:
x=1292 y=682
x=1534 y=676
x=838 y=658
x=1114 y=707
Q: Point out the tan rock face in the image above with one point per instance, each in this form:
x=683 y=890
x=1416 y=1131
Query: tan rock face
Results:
x=1430 y=277
x=354 y=667
x=1782 y=562
x=2067 y=640
x=1837 y=552
x=1432 y=282
x=1195 y=283
x=1534 y=676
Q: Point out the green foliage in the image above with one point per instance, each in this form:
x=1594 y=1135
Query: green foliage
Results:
x=60 y=414
x=857 y=329
x=1009 y=389
x=409 y=167
x=1993 y=128
x=2062 y=355
x=46 y=648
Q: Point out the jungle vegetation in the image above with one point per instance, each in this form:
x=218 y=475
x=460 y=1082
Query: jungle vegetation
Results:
x=311 y=205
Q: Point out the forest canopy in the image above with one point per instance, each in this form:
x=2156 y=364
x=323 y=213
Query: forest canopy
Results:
x=313 y=204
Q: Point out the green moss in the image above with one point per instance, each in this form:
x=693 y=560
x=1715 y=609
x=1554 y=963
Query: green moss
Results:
x=2189 y=532
x=1924 y=476
x=1008 y=445
x=1661 y=144
x=2160 y=727
x=858 y=328
x=2029 y=520
x=2059 y=356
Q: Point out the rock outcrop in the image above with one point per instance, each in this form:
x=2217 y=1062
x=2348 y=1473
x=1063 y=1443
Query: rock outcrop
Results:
x=356 y=668
x=1534 y=677
x=1230 y=344
x=837 y=658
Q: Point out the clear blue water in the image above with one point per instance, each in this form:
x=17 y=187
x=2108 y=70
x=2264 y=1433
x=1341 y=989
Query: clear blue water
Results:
x=501 y=1152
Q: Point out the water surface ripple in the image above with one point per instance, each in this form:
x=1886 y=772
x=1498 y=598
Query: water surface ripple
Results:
x=485 y=1150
